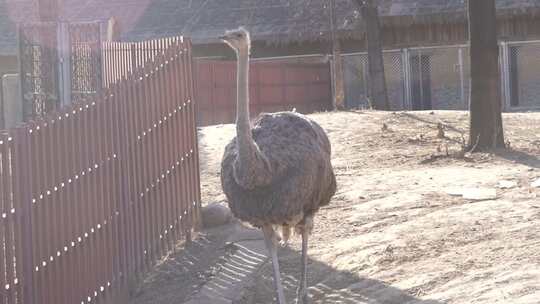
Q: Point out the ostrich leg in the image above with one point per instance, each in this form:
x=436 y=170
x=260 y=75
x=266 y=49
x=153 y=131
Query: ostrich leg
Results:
x=271 y=245
x=302 y=294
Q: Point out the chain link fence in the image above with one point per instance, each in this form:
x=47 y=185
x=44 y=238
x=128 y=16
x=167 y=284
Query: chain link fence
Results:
x=357 y=79
x=522 y=72
x=438 y=78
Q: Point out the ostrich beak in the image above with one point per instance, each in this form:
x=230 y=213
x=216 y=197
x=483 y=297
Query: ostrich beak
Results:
x=222 y=37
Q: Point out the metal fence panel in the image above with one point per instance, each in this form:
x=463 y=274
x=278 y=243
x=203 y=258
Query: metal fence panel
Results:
x=438 y=78
x=85 y=53
x=357 y=80
x=356 y=76
x=523 y=78
x=39 y=68
x=395 y=79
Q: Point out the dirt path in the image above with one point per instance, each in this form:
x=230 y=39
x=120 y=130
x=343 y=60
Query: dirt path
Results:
x=397 y=230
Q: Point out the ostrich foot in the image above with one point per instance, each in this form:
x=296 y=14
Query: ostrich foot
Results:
x=285 y=235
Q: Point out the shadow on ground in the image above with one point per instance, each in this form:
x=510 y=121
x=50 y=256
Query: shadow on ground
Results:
x=229 y=265
x=326 y=285
x=430 y=122
x=521 y=157
x=183 y=273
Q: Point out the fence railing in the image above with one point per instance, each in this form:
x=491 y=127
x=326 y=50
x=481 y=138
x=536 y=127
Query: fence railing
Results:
x=101 y=189
x=438 y=77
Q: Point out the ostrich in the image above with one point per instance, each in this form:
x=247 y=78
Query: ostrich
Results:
x=276 y=173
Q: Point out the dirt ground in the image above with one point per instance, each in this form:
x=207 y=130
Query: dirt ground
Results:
x=413 y=220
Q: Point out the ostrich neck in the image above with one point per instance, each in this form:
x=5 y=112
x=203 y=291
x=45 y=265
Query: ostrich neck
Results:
x=251 y=167
x=243 y=128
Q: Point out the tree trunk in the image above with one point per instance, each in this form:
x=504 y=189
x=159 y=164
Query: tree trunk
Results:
x=337 y=68
x=337 y=62
x=377 y=82
x=486 y=129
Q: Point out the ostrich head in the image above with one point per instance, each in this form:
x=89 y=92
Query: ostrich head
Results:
x=238 y=40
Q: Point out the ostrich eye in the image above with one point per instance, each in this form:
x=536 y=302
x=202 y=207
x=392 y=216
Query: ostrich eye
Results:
x=238 y=35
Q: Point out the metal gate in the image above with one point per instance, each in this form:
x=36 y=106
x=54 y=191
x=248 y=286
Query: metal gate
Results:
x=85 y=60
x=60 y=64
x=39 y=68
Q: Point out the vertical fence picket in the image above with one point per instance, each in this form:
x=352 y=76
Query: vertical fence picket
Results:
x=119 y=197
x=23 y=198
x=181 y=141
x=40 y=211
x=51 y=211
x=19 y=211
x=195 y=143
x=4 y=190
x=160 y=157
x=189 y=136
x=186 y=143
x=178 y=197
x=134 y=246
x=8 y=218
x=166 y=85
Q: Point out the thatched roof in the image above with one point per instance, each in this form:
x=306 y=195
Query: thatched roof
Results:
x=268 y=20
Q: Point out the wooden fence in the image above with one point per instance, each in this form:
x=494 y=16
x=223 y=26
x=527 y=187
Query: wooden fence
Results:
x=122 y=58
x=275 y=85
x=98 y=191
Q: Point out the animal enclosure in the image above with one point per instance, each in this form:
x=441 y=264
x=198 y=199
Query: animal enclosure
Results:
x=425 y=78
x=274 y=86
x=96 y=192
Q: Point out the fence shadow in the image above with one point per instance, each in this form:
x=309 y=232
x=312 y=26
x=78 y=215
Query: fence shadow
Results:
x=328 y=285
x=185 y=271
x=212 y=269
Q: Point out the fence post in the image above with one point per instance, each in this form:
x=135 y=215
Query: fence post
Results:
x=64 y=63
x=462 y=78
x=192 y=97
x=133 y=57
x=124 y=204
x=406 y=78
x=504 y=68
x=23 y=197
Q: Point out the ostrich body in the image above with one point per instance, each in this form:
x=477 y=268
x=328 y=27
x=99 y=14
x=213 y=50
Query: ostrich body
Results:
x=277 y=173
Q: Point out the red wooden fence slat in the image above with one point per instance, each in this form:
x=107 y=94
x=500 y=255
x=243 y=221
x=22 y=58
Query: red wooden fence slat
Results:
x=4 y=192
x=52 y=212
x=23 y=182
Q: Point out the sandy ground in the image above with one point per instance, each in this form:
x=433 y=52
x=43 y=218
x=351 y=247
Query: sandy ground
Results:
x=399 y=229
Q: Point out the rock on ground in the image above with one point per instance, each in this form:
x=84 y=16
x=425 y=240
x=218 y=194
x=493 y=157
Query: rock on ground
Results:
x=216 y=214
